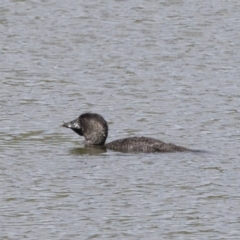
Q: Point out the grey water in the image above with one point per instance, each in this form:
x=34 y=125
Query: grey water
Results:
x=163 y=69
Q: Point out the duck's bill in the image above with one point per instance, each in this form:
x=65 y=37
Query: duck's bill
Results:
x=73 y=124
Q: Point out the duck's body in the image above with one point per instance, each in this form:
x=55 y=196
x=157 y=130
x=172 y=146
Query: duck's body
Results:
x=95 y=130
x=143 y=144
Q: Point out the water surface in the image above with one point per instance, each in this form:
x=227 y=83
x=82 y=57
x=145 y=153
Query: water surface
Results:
x=163 y=69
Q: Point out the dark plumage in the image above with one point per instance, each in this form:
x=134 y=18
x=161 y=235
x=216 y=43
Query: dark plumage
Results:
x=95 y=130
x=143 y=144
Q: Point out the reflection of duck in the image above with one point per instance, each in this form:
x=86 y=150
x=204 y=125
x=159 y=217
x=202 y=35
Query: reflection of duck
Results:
x=95 y=130
x=87 y=150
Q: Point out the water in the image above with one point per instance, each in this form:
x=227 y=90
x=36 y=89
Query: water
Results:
x=164 y=69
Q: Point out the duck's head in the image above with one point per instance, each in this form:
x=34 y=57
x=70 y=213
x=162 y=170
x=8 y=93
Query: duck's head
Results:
x=90 y=125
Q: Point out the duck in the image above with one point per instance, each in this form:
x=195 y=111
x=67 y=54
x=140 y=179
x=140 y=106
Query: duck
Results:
x=94 y=128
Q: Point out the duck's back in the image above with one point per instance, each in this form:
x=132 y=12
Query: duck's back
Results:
x=143 y=144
